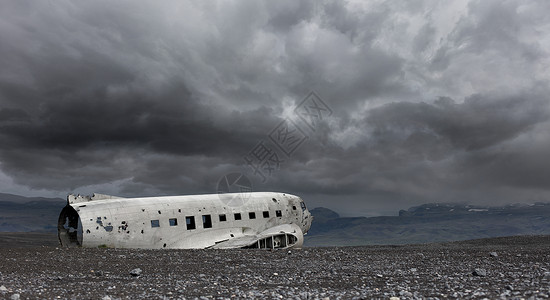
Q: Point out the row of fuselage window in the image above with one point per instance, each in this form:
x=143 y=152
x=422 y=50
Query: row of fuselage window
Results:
x=207 y=219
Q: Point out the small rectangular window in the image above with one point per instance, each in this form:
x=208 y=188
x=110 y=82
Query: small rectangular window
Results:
x=266 y=214
x=155 y=223
x=206 y=221
x=190 y=221
x=237 y=216
x=252 y=215
x=278 y=213
x=173 y=222
x=223 y=218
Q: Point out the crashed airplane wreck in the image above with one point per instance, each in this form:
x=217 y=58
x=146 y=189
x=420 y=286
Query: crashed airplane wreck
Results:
x=262 y=220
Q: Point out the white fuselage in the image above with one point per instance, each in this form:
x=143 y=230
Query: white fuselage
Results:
x=181 y=222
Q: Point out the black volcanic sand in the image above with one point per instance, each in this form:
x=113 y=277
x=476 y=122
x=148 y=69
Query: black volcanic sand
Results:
x=514 y=267
x=27 y=239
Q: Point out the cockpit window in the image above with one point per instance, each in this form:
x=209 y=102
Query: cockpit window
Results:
x=303 y=205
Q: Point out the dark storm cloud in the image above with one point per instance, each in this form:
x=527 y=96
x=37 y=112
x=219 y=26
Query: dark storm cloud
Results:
x=84 y=111
x=473 y=151
x=477 y=123
x=431 y=101
x=74 y=131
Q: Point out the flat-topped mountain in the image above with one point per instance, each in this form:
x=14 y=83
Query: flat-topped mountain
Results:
x=429 y=223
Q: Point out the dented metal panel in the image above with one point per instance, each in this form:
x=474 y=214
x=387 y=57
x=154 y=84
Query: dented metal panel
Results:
x=163 y=222
x=72 y=199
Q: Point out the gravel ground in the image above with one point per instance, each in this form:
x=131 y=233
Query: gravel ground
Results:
x=513 y=267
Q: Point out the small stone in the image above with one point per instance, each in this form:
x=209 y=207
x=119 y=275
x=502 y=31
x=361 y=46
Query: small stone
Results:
x=493 y=254
x=379 y=275
x=3 y=289
x=289 y=252
x=106 y=298
x=405 y=293
x=135 y=272
x=394 y=298
x=15 y=297
x=479 y=272
x=275 y=274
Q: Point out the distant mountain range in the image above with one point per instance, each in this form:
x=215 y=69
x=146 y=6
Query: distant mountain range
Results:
x=429 y=223
x=420 y=224
x=23 y=214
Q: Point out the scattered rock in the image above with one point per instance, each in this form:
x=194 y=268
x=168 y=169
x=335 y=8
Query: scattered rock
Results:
x=479 y=272
x=405 y=294
x=15 y=297
x=136 y=272
x=493 y=254
x=371 y=272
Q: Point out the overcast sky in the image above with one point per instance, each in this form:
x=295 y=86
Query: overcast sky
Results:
x=424 y=101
